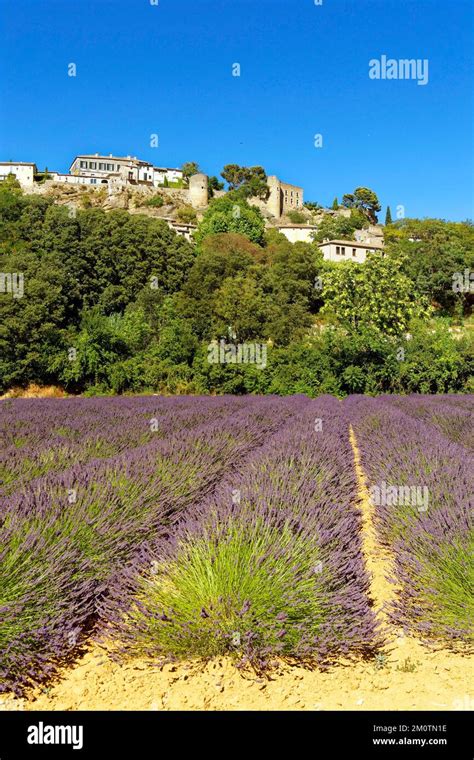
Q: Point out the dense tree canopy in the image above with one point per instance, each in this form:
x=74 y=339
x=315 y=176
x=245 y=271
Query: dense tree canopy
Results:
x=232 y=214
x=118 y=303
x=365 y=200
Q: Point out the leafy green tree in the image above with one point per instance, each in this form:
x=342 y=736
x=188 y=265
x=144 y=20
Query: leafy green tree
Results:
x=339 y=227
x=251 y=181
x=436 y=361
x=189 y=168
x=376 y=292
x=365 y=200
x=242 y=307
x=231 y=213
x=30 y=325
x=388 y=217
x=221 y=256
x=234 y=175
x=213 y=186
x=96 y=346
x=335 y=204
x=433 y=253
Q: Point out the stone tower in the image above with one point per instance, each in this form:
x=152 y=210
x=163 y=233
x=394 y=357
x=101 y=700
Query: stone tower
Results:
x=198 y=190
x=274 y=203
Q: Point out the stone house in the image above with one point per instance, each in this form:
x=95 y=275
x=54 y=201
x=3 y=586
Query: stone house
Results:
x=24 y=172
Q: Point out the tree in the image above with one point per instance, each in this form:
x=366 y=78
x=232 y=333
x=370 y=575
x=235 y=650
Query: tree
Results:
x=255 y=185
x=213 y=185
x=241 y=303
x=364 y=199
x=334 y=227
x=222 y=256
x=234 y=175
x=376 y=293
x=189 y=168
x=388 y=217
x=251 y=181
x=335 y=204
x=432 y=253
x=231 y=213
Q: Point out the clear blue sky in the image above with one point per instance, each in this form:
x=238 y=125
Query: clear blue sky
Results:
x=167 y=69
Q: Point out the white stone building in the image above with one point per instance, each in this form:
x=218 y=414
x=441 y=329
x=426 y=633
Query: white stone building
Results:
x=296 y=233
x=348 y=250
x=128 y=170
x=22 y=171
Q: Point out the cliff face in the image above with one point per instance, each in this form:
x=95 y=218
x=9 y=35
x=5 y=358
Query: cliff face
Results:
x=134 y=200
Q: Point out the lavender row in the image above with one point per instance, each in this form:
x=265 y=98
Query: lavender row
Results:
x=422 y=486
x=269 y=565
x=54 y=435
x=58 y=554
x=455 y=421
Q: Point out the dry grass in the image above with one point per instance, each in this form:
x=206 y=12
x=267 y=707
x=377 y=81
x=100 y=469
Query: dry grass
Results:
x=35 y=391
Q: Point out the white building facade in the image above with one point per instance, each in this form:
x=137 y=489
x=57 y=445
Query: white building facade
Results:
x=23 y=172
x=348 y=250
x=118 y=170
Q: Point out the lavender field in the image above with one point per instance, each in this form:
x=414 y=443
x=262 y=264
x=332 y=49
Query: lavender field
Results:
x=172 y=528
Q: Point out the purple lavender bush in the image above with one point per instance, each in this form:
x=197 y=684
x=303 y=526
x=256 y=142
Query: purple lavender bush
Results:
x=424 y=517
x=269 y=565
x=65 y=535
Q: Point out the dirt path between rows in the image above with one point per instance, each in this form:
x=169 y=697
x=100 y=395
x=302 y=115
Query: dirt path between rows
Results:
x=406 y=676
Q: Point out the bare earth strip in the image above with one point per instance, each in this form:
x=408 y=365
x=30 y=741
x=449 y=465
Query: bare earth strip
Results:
x=408 y=676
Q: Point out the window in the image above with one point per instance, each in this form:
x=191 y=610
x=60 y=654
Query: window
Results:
x=93 y=182
x=353 y=251
x=110 y=167
x=343 y=250
x=83 y=164
x=338 y=250
x=92 y=165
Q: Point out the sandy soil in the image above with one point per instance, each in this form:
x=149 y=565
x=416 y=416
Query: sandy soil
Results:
x=406 y=676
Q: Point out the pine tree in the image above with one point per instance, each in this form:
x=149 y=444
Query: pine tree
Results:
x=335 y=204
x=388 y=217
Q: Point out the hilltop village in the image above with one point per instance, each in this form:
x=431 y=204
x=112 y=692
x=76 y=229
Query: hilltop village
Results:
x=180 y=197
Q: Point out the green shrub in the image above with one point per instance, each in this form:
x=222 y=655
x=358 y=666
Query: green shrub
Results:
x=186 y=214
x=224 y=580
x=296 y=217
x=156 y=201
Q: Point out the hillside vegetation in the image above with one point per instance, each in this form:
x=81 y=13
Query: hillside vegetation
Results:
x=115 y=302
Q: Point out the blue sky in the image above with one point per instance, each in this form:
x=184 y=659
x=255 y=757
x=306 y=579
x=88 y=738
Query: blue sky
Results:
x=167 y=69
